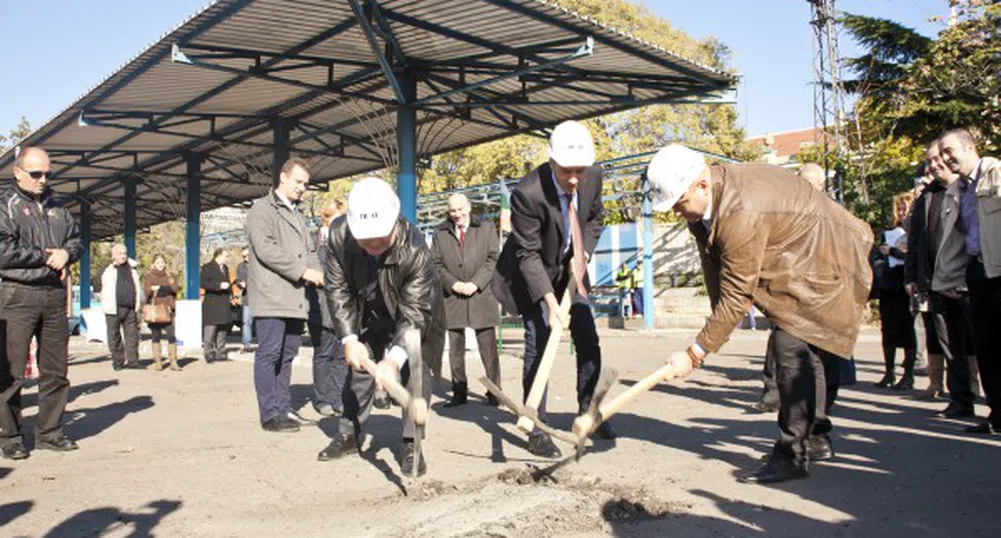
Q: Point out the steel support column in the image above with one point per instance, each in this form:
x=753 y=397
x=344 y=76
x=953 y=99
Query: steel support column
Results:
x=648 y=295
x=282 y=129
x=406 y=133
x=130 y=216
x=85 y=258
x=192 y=233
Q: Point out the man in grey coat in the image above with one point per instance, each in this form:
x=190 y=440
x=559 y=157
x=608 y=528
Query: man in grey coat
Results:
x=465 y=251
x=280 y=249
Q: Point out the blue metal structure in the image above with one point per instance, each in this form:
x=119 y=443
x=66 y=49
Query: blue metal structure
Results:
x=85 y=286
x=130 y=217
x=192 y=232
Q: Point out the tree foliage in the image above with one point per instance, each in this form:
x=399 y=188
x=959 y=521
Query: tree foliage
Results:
x=15 y=135
x=909 y=88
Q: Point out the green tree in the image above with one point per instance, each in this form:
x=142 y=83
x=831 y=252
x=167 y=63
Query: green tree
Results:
x=15 y=135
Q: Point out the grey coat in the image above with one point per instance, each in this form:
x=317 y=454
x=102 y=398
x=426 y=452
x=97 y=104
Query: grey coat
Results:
x=474 y=263
x=280 y=249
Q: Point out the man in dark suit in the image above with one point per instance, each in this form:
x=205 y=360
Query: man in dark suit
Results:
x=217 y=318
x=465 y=251
x=556 y=220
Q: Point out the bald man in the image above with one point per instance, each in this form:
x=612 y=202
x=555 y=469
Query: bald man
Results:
x=465 y=250
x=38 y=242
x=815 y=175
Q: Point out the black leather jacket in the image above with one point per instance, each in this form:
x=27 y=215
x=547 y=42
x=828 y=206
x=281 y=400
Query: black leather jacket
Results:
x=28 y=227
x=408 y=280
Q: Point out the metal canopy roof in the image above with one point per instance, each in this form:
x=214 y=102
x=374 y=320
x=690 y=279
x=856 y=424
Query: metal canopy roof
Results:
x=332 y=71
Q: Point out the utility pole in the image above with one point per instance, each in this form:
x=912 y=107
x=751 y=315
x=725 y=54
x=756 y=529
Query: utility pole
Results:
x=828 y=93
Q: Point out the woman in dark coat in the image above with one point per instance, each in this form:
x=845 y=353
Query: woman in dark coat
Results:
x=161 y=288
x=896 y=319
x=217 y=318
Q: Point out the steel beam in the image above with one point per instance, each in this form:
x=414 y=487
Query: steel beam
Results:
x=373 y=42
x=649 y=311
x=282 y=129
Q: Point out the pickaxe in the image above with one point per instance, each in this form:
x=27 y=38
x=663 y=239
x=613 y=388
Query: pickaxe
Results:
x=417 y=407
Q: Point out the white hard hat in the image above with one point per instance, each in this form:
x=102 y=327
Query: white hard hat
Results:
x=571 y=145
x=373 y=208
x=671 y=171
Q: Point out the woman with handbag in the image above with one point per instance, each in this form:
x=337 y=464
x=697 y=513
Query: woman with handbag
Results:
x=896 y=319
x=158 y=312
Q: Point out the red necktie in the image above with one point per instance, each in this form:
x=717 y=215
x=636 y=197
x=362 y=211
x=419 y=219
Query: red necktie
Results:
x=577 y=242
x=462 y=237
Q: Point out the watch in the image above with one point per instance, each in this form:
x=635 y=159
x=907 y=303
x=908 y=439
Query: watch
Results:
x=696 y=362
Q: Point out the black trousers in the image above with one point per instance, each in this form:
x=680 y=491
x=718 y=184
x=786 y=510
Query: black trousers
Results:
x=985 y=305
x=40 y=312
x=124 y=320
x=214 y=342
x=801 y=404
x=160 y=331
x=952 y=321
x=330 y=371
x=359 y=390
x=827 y=375
x=586 y=345
x=486 y=340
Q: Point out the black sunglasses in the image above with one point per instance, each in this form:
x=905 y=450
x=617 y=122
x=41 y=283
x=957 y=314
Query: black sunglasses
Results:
x=39 y=174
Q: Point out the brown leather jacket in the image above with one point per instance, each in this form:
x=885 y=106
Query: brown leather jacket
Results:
x=800 y=257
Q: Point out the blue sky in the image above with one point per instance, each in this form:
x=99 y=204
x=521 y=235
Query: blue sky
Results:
x=56 y=50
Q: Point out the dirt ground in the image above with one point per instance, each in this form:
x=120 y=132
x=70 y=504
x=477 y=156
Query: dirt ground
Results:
x=182 y=454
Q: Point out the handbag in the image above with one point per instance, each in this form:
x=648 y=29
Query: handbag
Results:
x=156 y=312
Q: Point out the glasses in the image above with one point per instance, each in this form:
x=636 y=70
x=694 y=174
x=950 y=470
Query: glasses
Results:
x=39 y=174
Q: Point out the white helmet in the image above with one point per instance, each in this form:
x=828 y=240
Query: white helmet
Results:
x=671 y=171
x=571 y=145
x=373 y=208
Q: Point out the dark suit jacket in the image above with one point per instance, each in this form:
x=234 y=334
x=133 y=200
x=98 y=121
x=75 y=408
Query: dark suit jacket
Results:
x=474 y=262
x=533 y=263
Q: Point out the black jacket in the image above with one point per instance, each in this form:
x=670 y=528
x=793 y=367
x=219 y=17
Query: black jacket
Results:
x=27 y=228
x=532 y=262
x=215 y=305
x=407 y=278
x=918 y=267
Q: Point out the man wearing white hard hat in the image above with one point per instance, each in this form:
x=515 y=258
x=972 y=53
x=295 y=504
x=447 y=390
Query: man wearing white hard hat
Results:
x=767 y=237
x=556 y=220
x=386 y=304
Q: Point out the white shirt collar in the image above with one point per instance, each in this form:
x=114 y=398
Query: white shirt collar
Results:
x=707 y=217
x=284 y=200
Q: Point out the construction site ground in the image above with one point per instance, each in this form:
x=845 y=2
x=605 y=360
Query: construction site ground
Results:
x=183 y=454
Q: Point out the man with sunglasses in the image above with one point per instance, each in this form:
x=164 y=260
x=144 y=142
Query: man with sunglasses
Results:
x=38 y=242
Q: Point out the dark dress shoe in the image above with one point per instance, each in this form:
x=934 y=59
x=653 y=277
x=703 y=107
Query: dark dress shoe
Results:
x=983 y=428
x=820 y=448
x=492 y=400
x=542 y=445
x=341 y=445
x=133 y=366
x=280 y=424
x=328 y=410
x=456 y=400
x=59 y=444
x=956 y=411
x=905 y=383
x=765 y=407
x=298 y=419
x=407 y=461
x=887 y=381
x=605 y=431
x=14 y=451
x=777 y=469
x=117 y=366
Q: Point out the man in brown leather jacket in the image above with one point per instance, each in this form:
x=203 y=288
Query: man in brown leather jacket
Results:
x=767 y=237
